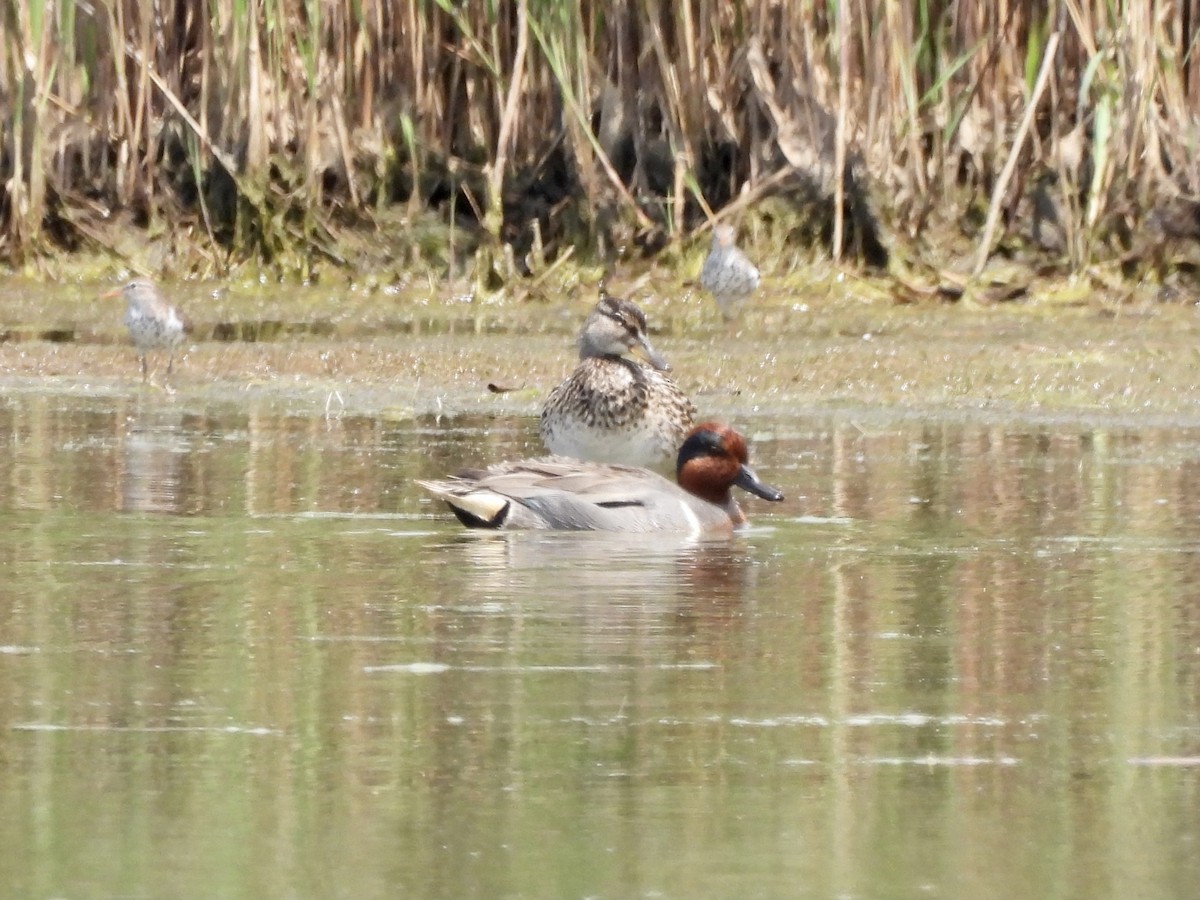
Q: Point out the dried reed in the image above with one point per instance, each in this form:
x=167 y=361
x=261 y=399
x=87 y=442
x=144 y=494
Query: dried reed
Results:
x=260 y=127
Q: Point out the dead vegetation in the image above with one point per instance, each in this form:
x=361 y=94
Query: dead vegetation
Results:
x=496 y=137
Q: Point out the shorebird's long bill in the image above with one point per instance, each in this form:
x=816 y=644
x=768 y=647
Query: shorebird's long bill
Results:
x=748 y=480
x=115 y=292
x=653 y=357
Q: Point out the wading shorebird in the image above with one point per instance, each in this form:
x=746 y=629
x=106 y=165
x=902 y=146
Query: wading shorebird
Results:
x=152 y=322
x=574 y=495
x=727 y=274
x=614 y=409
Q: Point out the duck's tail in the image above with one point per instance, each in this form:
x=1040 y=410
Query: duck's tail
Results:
x=475 y=508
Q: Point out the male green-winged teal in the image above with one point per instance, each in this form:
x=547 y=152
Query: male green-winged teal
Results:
x=615 y=409
x=152 y=322
x=727 y=274
x=574 y=495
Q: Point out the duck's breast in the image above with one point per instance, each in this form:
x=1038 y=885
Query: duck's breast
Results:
x=616 y=411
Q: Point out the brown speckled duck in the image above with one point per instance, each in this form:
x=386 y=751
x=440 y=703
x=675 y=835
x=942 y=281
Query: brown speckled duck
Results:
x=614 y=409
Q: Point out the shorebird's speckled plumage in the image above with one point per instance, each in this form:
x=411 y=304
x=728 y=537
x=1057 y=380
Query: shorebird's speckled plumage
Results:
x=613 y=409
x=574 y=495
x=152 y=322
x=727 y=274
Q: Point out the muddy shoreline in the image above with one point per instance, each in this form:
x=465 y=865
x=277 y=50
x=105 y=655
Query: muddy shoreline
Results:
x=420 y=350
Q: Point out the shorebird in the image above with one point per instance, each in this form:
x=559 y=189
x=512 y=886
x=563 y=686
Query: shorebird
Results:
x=613 y=409
x=152 y=322
x=727 y=274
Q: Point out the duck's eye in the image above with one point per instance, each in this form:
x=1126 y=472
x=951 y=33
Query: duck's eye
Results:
x=631 y=324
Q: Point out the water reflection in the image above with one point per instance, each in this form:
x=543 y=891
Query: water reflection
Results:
x=154 y=447
x=584 y=568
x=961 y=660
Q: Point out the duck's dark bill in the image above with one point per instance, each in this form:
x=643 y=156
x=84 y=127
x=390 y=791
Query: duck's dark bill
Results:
x=747 y=480
x=656 y=359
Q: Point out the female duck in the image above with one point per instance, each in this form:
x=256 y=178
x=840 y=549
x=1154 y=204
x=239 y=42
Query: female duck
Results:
x=572 y=495
x=613 y=409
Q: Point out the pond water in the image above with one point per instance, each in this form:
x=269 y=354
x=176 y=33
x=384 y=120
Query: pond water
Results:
x=242 y=655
